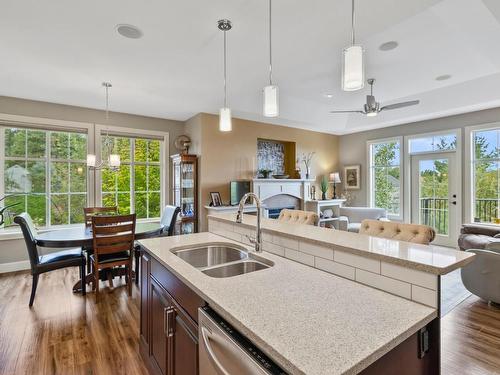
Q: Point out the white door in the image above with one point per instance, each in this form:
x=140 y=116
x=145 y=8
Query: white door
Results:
x=434 y=195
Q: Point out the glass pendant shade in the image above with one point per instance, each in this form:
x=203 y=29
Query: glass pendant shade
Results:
x=114 y=161
x=225 y=122
x=353 y=74
x=271 y=101
x=91 y=159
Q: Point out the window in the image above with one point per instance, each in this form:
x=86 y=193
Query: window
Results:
x=136 y=187
x=485 y=174
x=433 y=143
x=385 y=175
x=44 y=174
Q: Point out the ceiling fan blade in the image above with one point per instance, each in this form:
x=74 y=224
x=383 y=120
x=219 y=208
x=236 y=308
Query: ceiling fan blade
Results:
x=399 y=105
x=348 y=112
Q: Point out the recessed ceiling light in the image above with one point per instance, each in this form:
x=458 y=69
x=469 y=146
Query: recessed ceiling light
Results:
x=329 y=96
x=387 y=46
x=129 y=31
x=444 y=77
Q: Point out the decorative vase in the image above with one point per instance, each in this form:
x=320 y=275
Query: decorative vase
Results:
x=308 y=172
x=323 y=195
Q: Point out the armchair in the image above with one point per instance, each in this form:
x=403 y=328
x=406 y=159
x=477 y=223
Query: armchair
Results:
x=474 y=236
x=351 y=217
x=482 y=276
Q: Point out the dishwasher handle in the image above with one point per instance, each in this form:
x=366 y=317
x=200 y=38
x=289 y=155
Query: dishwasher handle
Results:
x=211 y=355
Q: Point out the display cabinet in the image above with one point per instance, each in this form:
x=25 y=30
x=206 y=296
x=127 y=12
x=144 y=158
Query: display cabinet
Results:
x=185 y=192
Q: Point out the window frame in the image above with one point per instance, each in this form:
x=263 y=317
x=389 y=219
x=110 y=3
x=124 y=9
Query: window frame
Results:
x=91 y=130
x=469 y=170
x=119 y=131
x=370 y=170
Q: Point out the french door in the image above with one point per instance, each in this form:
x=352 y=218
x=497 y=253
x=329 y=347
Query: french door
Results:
x=434 y=194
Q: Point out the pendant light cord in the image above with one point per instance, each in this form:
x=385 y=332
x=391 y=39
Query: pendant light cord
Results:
x=225 y=83
x=270 y=45
x=107 y=102
x=353 y=36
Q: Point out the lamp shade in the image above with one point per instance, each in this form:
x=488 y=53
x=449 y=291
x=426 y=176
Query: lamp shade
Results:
x=114 y=160
x=91 y=160
x=335 y=178
x=271 y=101
x=353 y=74
x=225 y=122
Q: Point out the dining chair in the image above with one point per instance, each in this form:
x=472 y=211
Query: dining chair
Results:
x=167 y=224
x=89 y=212
x=113 y=243
x=47 y=262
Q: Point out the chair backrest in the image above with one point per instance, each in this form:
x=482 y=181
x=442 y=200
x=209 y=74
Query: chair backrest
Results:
x=415 y=233
x=298 y=217
x=90 y=211
x=113 y=234
x=29 y=233
x=358 y=214
x=168 y=219
x=482 y=276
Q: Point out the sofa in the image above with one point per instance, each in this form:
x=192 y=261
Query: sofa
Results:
x=474 y=236
x=298 y=217
x=350 y=218
x=415 y=233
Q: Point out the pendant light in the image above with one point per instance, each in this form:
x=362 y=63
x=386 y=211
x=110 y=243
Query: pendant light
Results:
x=353 y=71
x=225 y=122
x=271 y=92
x=113 y=161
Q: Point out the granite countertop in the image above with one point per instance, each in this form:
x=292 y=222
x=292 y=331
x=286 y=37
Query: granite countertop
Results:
x=307 y=320
x=434 y=259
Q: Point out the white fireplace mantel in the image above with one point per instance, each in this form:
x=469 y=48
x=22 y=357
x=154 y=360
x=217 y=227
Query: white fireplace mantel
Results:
x=269 y=187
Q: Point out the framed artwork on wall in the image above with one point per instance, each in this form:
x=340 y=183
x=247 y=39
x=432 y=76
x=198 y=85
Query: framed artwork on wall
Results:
x=352 y=177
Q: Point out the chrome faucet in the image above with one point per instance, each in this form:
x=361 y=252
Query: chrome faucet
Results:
x=257 y=241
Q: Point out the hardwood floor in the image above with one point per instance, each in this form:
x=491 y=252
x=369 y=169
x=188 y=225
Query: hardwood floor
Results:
x=64 y=333
x=470 y=339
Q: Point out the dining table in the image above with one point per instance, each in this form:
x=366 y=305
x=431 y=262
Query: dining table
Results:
x=81 y=236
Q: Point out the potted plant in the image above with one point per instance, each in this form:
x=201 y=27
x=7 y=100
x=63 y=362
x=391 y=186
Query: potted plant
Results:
x=265 y=172
x=323 y=187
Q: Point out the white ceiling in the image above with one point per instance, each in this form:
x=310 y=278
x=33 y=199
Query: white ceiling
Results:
x=61 y=50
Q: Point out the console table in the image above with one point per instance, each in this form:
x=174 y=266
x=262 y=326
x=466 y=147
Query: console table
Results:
x=319 y=206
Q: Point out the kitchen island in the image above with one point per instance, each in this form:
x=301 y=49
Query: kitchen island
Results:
x=306 y=320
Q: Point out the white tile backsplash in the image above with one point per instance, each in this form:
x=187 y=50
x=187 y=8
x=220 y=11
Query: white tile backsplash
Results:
x=290 y=243
x=273 y=248
x=316 y=250
x=338 y=269
x=357 y=261
x=425 y=296
x=299 y=257
x=424 y=279
x=393 y=286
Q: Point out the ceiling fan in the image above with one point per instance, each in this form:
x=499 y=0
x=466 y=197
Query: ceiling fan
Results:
x=372 y=107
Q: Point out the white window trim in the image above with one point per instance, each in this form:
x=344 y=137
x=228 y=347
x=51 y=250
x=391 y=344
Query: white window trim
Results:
x=370 y=198
x=124 y=131
x=407 y=167
x=469 y=175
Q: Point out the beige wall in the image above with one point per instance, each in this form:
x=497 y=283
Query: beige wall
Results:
x=15 y=250
x=230 y=156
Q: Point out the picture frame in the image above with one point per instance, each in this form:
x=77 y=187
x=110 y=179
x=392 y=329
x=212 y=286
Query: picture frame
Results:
x=352 y=177
x=216 y=199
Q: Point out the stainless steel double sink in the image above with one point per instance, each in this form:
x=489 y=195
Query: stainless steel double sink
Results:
x=222 y=260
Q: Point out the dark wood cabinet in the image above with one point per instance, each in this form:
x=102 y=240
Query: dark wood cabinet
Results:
x=169 y=334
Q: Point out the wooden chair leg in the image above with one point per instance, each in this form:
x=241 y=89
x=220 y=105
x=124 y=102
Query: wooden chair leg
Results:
x=34 y=284
x=83 y=278
x=89 y=263
x=129 y=283
x=110 y=277
x=96 y=280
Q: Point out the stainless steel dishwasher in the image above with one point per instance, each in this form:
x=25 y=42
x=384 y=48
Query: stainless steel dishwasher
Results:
x=224 y=351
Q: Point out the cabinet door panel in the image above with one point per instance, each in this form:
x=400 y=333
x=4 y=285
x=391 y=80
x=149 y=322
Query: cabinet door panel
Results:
x=159 y=339
x=185 y=350
x=145 y=262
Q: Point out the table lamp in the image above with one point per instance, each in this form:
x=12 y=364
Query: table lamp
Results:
x=335 y=179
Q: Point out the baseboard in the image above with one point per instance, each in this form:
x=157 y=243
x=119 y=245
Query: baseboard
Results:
x=15 y=266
